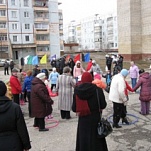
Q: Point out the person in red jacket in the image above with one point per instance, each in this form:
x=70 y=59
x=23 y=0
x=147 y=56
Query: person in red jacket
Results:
x=15 y=86
x=127 y=89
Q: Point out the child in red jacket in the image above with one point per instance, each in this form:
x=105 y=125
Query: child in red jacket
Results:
x=128 y=88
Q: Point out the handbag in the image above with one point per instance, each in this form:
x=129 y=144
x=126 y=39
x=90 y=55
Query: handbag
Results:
x=104 y=127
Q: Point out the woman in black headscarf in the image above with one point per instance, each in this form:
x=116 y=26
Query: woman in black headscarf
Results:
x=13 y=131
x=85 y=104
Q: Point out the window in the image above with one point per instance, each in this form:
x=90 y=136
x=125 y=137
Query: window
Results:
x=15 y=38
x=27 y=26
x=3 y=37
x=27 y=38
x=12 y=2
x=2 y=13
x=2 y=2
x=14 y=14
x=2 y=25
x=26 y=2
x=14 y=26
x=26 y=14
x=41 y=26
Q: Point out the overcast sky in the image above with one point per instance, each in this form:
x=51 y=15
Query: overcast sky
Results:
x=78 y=9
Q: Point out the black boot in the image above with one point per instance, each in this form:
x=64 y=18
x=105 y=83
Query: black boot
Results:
x=124 y=120
x=117 y=126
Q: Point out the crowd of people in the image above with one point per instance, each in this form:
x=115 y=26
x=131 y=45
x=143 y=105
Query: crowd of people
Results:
x=77 y=88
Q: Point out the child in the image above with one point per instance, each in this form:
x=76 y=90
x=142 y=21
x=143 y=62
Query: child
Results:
x=53 y=78
x=97 y=80
x=108 y=77
x=128 y=88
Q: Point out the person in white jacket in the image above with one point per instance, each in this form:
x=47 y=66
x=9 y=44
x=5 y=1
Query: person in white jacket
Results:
x=118 y=97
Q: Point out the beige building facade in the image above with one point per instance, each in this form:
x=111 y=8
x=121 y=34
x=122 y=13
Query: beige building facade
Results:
x=134 y=29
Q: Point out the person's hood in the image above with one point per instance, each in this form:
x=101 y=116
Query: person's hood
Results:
x=78 y=62
x=5 y=104
x=145 y=75
x=85 y=91
x=37 y=81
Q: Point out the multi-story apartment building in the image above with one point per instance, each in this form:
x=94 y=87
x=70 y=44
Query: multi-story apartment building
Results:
x=3 y=29
x=30 y=27
x=94 y=33
x=109 y=33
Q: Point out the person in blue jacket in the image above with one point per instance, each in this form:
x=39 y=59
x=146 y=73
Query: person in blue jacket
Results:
x=27 y=88
x=53 y=77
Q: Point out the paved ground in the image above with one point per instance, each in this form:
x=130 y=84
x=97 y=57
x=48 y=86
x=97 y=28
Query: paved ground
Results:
x=134 y=137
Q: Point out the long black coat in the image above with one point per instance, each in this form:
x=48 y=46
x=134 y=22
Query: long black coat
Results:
x=87 y=125
x=13 y=131
x=40 y=99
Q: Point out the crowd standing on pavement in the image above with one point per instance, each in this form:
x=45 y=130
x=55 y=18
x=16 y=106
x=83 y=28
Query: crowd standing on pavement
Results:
x=76 y=88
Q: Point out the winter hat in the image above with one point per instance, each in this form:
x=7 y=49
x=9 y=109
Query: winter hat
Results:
x=3 y=88
x=15 y=70
x=53 y=69
x=93 y=61
x=97 y=76
x=36 y=66
x=141 y=71
x=86 y=77
x=41 y=76
x=124 y=72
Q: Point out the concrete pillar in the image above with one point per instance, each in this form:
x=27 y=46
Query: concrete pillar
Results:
x=129 y=29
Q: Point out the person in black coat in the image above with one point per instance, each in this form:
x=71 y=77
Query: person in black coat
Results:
x=71 y=64
x=108 y=62
x=36 y=71
x=116 y=68
x=120 y=61
x=13 y=131
x=62 y=64
x=53 y=63
x=85 y=104
x=6 y=67
x=11 y=65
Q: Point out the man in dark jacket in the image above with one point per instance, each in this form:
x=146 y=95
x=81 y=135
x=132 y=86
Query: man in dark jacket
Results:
x=120 y=61
x=13 y=131
x=11 y=65
x=6 y=66
x=36 y=70
x=109 y=62
x=40 y=101
x=53 y=63
x=62 y=64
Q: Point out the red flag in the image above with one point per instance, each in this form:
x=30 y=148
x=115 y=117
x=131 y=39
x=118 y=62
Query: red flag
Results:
x=67 y=57
x=77 y=58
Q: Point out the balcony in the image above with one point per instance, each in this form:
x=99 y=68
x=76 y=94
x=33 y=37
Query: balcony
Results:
x=42 y=31
x=3 y=18
x=60 y=31
x=3 y=6
x=40 y=19
x=4 y=43
x=41 y=9
x=43 y=42
x=3 y=31
x=42 y=53
x=40 y=5
x=61 y=21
